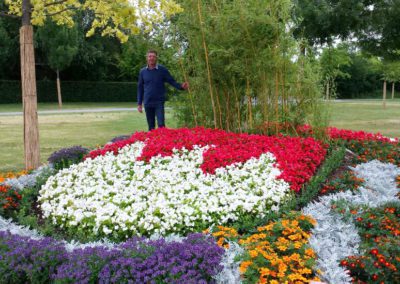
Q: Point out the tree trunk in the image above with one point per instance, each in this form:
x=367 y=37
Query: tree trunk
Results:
x=29 y=98
x=327 y=90
x=59 y=90
x=384 y=94
x=393 y=90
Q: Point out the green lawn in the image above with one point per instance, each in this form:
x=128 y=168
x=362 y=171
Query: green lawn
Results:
x=65 y=130
x=54 y=106
x=367 y=115
x=92 y=129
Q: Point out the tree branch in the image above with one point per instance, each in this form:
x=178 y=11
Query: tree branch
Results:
x=55 y=3
x=61 y=11
x=4 y=14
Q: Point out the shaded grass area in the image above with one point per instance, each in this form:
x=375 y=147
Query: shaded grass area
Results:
x=367 y=115
x=54 y=106
x=66 y=130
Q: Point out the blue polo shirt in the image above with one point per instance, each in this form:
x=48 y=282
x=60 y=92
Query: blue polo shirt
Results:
x=151 y=88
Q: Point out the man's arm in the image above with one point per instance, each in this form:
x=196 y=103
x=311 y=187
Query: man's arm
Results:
x=140 y=91
x=170 y=80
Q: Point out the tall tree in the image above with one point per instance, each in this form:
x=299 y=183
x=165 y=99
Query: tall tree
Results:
x=321 y=21
x=60 y=45
x=116 y=18
x=391 y=73
x=380 y=34
x=332 y=60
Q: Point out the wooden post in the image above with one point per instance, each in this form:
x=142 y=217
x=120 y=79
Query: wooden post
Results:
x=59 y=90
x=384 y=94
x=29 y=98
x=393 y=90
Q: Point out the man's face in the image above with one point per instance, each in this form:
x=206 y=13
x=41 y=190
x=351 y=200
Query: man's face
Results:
x=151 y=59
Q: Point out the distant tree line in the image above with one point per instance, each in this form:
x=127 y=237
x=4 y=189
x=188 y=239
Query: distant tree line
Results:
x=368 y=29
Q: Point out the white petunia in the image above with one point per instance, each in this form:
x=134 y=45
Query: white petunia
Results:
x=167 y=195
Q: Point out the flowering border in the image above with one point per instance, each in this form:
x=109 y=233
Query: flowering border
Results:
x=340 y=237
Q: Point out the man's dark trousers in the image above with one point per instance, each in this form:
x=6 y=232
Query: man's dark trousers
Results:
x=152 y=112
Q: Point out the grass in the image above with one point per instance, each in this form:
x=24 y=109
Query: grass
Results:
x=54 y=106
x=91 y=129
x=57 y=131
x=367 y=115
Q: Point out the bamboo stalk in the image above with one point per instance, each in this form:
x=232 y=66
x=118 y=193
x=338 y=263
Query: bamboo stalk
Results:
x=219 y=109
x=207 y=63
x=237 y=107
x=189 y=91
x=276 y=101
x=249 y=104
x=228 y=116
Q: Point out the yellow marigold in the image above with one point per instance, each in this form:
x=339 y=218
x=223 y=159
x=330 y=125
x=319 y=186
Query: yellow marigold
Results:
x=285 y=223
x=266 y=228
x=273 y=282
x=282 y=268
x=295 y=237
x=262 y=280
x=295 y=276
x=305 y=271
x=310 y=252
x=295 y=257
x=283 y=240
x=316 y=279
x=282 y=247
x=244 y=265
x=264 y=271
x=220 y=242
x=218 y=234
x=298 y=245
x=253 y=253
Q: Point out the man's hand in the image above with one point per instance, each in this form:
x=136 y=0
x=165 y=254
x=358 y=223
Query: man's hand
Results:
x=185 y=85
x=140 y=108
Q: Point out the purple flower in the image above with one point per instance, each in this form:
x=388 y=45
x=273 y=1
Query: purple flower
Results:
x=67 y=156
x=119 y=138
x=194 y=260
x=26 y=260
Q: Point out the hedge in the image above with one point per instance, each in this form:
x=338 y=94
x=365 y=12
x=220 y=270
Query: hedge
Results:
x=72 y=91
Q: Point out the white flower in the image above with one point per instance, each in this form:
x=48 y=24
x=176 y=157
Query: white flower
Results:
x=162 y=196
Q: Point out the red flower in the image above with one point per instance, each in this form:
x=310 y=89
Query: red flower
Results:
x=297 y=158
x=374 y=251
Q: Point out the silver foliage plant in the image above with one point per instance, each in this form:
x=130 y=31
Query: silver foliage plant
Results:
x=29 y=180
x=230 y=273
x=333 y=239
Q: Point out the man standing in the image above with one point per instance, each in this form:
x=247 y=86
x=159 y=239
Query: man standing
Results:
x=151 y=90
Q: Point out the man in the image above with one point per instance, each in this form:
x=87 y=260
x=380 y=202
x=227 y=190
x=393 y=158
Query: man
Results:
x=151 y=90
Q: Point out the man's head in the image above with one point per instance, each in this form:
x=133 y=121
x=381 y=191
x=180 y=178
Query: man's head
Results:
x=151 y=58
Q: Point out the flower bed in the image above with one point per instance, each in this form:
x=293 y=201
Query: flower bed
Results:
x=345 y=245
x=171 y=181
